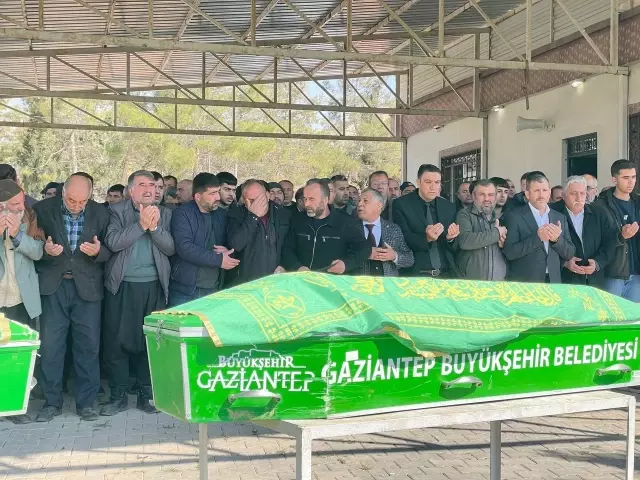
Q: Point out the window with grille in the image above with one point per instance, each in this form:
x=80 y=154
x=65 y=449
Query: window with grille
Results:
x=458 y=169
x=582 y=155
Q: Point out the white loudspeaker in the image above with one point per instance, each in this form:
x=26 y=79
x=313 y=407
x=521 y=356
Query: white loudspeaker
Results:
x=533 y=124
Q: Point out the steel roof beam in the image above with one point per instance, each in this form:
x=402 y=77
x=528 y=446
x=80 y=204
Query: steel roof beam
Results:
x=425 y=48
x=245 y=35
x=24 y=93
x=586 y=36
x=178 y=36
x=69 y=37
x=215 y=133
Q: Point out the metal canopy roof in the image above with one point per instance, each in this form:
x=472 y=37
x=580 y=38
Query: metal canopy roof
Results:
x=176 y=20
x=110 y=49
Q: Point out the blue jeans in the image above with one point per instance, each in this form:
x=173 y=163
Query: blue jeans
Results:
x=629 y=289
x=178 y=298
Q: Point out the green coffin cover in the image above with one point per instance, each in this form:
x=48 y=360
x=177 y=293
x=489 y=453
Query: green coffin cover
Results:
x=12 y=331
x=425 y=314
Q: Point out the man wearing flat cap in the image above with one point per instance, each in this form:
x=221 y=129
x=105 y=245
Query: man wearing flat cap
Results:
x=22 y=242
x=71 y=275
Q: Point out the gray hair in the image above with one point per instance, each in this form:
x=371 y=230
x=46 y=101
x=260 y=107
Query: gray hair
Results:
x=376 y=195
x=65 y=185
x=139 y=173
x=575 y=179
x=248 y=183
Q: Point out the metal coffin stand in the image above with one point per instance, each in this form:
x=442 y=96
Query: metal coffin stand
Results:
x=305 y=431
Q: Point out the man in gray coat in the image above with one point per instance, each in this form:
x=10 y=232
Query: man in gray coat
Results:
x=137 y=283
x=389 y=251
x=481 y=237
x=22 y=243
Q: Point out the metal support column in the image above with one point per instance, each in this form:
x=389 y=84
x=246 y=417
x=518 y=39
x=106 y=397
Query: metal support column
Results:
x=529 y=16
x=203 y=444
x=631 y=437
x=476 y=77
x=614 y=33
x=128 y=73
x=484 y=148
x=495 y=446
x=233 y=112
x=275 y=80
x=203 y=93
x=623 y=116
x=303 y=455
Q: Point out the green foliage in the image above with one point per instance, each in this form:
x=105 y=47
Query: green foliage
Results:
x=43 y=155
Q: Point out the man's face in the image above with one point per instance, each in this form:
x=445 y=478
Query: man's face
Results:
x=50 y=193
x=394 y=188
x=227 y=194
x=463 y=194
x=171 y=200
x=429 y=185
x=332 y=193
x=369 y=209
x=538 y=194
x=512 y=188
x=484 y=198
x=287 y=189
x=354 y=195
x=592 y=188
x=625 y=181
x=159 y=192
x=170 y=183
x=523 y=185
x=315 y=203
x=208 y=200
x=556 y=195
x=143 y=191
x=408 y=189
x=254 y=192
x=114 y=197
x=381 y=184
x=184 y=192
x=14 y=206
x=341 y=190
x=300 y=204
x=276 y=195
x=575 y=197
x=502 y=195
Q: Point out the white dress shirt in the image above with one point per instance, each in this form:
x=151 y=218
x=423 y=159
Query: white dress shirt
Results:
x=578 y=221
x=377 y=229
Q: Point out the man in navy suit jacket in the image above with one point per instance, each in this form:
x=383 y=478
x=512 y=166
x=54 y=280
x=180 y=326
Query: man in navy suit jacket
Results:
x=199 y=231
x=538 y=239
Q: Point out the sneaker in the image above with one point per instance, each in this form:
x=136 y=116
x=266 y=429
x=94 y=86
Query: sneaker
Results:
x=87 y=414
x=47 y=413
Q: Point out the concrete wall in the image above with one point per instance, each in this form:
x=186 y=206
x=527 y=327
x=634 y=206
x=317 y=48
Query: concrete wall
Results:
x=425 y=147
x=593 y=107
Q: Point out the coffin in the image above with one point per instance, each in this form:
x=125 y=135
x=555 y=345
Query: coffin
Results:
x=301 y=346
x=18 y=347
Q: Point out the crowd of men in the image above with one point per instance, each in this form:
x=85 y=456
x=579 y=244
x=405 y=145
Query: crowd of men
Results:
x=91 y=272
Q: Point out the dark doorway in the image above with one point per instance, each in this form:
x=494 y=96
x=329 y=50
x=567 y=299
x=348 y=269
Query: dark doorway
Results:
x=582 y=155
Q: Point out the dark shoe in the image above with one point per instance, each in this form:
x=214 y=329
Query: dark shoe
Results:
x=20 y=419
x=116 y=404
x=88 y=414
x=47 y=413
x=145 y=397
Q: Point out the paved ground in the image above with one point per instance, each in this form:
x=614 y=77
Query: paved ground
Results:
x=135 y=446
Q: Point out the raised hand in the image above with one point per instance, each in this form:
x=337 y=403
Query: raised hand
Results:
x=52 y=249
x=91 y=249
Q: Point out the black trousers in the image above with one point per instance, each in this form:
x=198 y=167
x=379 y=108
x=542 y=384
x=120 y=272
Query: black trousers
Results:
x=123 y=340
x=62 y=311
